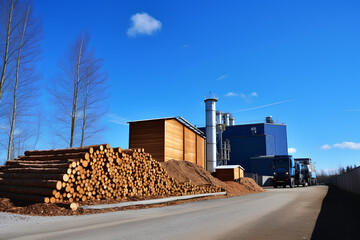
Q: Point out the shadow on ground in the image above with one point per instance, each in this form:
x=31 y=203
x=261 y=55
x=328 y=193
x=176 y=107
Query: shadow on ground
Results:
x=339 y=217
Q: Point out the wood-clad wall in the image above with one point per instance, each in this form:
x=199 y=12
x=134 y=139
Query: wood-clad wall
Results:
x=200 y=151
x=167 y=139
x=229 y=174
x=190 y=145
x=174 y=140
x=150 y=136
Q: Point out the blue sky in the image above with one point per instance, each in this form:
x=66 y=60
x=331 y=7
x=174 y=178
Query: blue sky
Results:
x=163 y=57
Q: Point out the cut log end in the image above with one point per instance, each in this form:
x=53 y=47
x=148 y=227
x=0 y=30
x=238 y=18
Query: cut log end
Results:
x=65 y=177
x=74 y=206
x=59 y=185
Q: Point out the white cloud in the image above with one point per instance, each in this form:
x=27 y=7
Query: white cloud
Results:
x=143 y=24
x=117 y=119
x=222 y=77
x=254 y=94
x=292 y=150
x=185 y=46
x=246 y=97
x=349 y=145
x=343 y=145
x=231 y=94
x=326 y=147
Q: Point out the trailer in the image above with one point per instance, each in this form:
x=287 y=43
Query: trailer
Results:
x=308 y=170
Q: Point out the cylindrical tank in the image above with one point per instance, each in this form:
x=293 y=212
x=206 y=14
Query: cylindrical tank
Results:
x=210 y=107
x=226 y=119
x=269 y=119
x=219 y=116
x=232 y=120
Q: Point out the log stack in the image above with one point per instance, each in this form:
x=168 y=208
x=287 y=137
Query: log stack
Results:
x=89 y=173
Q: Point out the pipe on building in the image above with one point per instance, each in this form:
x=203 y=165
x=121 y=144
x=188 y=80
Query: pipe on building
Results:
x=232 y=120
x=227 y=119
x=210 y=107
x=219 y=116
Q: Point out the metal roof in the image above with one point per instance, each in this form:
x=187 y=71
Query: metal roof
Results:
x=179 y=119
x=229 y=167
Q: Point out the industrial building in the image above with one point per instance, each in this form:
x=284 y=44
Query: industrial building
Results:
x=225 y=144
x=231 y=144
x=253 y=140
x=169 y=138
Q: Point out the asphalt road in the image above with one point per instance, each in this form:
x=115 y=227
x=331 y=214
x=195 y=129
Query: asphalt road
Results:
x=274 y=214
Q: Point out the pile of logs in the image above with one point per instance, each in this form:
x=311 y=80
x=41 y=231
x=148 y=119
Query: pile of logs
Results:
x=89 y=173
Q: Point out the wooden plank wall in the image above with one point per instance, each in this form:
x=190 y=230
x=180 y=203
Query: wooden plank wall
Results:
x=236 y=173
x=225 y=174
x=190 y=145
x=174 y=140
x=200 y=151
x=150 y=136
x=168 y=139
x=181 y=143
x=241 y=173
x=229 y=174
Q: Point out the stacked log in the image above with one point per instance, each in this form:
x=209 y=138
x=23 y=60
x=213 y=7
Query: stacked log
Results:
x=89 y=173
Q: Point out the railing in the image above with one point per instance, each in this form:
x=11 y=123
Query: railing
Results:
x=349 y=181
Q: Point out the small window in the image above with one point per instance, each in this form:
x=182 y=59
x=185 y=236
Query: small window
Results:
x=253 y=130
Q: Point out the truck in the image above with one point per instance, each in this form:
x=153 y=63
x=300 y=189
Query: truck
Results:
x=287 y=171
x=308 y=170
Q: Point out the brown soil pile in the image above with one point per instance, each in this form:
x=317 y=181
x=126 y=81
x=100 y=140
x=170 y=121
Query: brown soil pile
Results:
x=246 y=186
x=251 y=185
x=184 y=171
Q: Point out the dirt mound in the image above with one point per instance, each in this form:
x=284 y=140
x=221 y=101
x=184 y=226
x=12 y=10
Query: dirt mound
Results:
x=246 y=186
x=184 y=171
x=251 y=185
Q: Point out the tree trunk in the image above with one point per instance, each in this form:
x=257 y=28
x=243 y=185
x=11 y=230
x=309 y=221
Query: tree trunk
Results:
x=27 y=190
x=41 y=175
x=6 y=53
x=23 y=197
x=13 y=117
x=31 y=183
x=75 y=96
x=84 y=108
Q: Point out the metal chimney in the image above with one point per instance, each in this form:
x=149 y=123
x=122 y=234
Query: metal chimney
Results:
x=226 y=119
x=210 y=107
x=232 y=120
x=219 y=116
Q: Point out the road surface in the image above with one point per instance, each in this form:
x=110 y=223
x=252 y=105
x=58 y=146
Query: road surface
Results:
x=274 y=214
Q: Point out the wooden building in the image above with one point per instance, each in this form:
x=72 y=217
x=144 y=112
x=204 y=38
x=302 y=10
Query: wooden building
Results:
x=229 y=172
x=169 y=138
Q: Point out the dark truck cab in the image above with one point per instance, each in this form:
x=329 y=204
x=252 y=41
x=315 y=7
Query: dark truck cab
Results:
x=284 y=171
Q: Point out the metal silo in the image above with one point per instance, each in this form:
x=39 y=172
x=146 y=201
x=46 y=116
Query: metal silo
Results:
x=210 y=107
x=219 y=117
x=232 y=120
x=227 y=119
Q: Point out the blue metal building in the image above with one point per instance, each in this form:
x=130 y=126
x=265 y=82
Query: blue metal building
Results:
x=253 y=140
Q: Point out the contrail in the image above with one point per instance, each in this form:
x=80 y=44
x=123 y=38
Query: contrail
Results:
x=353 y=110
x=267 y=105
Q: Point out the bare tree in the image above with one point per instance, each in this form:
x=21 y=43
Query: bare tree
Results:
x=8 y=25
x=79 y=92
x=23 y=81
